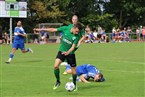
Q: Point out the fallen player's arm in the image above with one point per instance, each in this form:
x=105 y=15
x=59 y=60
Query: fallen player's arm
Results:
x=82 y=77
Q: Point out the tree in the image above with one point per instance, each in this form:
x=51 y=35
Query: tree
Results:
x=106 y=21
x=44 y=10
x=126 y=12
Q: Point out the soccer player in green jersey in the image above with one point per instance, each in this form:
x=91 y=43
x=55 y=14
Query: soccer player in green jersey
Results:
x=82 y=32
x=67 y=50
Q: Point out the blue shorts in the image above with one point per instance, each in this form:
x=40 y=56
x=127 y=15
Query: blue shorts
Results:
x=79 y=70
x=18 y=45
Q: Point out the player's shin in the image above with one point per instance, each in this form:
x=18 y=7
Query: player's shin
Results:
x=56 y=73
x=57 y=84
x=74 y=76
x=74 y=81
x=11 y=56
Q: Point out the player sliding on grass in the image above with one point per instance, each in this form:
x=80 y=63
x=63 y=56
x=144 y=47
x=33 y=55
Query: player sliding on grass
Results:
x=85 y=72
x=19 y=35
x=66 y=51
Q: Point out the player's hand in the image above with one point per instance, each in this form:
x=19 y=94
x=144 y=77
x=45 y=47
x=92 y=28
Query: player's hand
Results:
x=65 y=53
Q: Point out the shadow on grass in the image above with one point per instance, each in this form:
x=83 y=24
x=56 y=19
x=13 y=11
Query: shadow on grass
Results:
x=27 y=61
x=33 y=61
x=87 y=87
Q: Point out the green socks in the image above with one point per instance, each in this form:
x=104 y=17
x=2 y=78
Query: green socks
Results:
x=74 y=79
x=56 y=72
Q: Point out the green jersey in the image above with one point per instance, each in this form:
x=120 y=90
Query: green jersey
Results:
x=81 y=33
x=68 y=38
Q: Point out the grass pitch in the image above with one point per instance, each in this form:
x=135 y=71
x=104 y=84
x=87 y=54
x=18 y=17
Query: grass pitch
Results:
x=31 y=75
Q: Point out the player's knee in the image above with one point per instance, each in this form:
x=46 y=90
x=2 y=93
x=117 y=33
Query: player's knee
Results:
x=56 y=67
x=74 y=72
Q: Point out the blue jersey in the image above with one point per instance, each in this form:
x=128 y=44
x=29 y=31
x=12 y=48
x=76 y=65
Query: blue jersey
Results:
x=19 y=38
x=89 y=71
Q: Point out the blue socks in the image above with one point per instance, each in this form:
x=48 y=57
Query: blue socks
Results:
x=11 y=55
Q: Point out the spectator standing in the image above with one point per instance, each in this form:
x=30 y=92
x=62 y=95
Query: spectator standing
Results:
x=143 y=33
x=99 y=33
x=129 y=31
x=138 y=34
x=113 y=35
x=36 y=37
x=6 y=38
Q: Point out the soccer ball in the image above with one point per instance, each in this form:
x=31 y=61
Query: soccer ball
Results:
x=69 y=86
x=63 y=64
